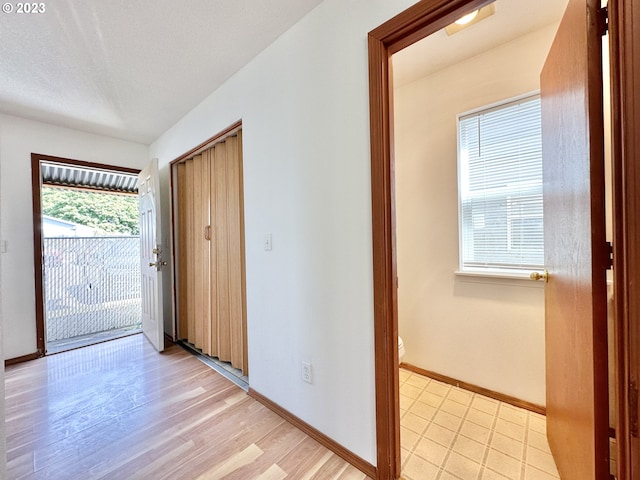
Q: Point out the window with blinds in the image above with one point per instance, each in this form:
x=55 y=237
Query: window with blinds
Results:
x=500 y=187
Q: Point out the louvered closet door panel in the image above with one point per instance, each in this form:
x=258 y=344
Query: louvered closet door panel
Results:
x=235 y=254
x=183 y=285
x=222 y=252
x=189 y=252
x=200 y=276
x=213 y=259
x=204 y=292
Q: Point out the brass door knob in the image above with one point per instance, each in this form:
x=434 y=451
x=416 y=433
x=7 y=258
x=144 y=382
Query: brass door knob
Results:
x=540 y=276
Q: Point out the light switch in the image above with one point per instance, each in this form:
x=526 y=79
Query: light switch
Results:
x=267 y=242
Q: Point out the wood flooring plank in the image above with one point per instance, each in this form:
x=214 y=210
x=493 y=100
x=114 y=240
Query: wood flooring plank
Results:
x=274 y=472
x=352 y=473
x=157 y=392
x=128 y=438
x=305 y=459
x=275 y=446
x=120 y=410
x=246 y=457
x=331 y=469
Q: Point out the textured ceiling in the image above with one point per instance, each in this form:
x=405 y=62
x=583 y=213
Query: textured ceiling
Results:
x=130 y=69
x=512 y=19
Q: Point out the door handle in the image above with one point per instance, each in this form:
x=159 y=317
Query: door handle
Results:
x=207 y=232
x=540 y=276
x=158 y=264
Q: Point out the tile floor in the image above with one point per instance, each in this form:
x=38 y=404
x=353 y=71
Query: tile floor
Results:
x=452 y=434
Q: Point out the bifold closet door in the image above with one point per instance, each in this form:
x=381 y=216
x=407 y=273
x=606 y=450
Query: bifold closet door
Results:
x=228 y=334
x=211 y=283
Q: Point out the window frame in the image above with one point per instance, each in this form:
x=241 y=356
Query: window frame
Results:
x=495 y=272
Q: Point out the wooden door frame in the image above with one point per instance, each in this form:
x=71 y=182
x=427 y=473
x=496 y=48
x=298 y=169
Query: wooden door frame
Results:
x=624 y=25
x=410 y=26
x=36 y=195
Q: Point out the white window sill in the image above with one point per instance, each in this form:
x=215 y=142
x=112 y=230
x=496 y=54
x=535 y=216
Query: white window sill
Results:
x=502 y=277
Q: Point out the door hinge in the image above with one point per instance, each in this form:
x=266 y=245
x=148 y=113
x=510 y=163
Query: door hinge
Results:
x=609 y=261
x=633 y=409
x=603 y=21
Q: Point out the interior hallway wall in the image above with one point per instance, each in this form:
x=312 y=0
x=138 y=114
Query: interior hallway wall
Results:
x=18 y=139
x=304 y=104
x=485 y=331
x=3 y=435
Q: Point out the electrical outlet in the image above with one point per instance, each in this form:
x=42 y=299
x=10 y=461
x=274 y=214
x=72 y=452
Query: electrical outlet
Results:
x=307 y=373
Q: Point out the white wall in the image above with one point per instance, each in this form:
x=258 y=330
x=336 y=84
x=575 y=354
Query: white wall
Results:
x=304 y=107
x=3 y=435
x=18 y=139
x=486 y=332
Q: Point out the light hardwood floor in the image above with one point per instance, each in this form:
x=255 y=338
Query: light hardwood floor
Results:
x=120 y=411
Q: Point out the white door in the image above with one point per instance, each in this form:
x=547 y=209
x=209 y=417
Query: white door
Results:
x=151 y=254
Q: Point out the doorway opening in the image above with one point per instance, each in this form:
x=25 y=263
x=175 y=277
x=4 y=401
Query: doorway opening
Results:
x=418 y=22
x=87 y=253
x=469 y=232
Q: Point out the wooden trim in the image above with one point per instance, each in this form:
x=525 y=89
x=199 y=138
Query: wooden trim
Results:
x=218 y=137
x=36 y=192
x=358 y=462
x=421 y=20
x=173 y=205
x=516 y=402
x=624 y=26
x=23 y=358
x=90 y=189
x=83 y=163
x=415 y=23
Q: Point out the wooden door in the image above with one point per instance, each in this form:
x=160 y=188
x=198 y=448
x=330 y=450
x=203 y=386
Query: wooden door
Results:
x=624 y=25
x=575 y=251
x=151 y=254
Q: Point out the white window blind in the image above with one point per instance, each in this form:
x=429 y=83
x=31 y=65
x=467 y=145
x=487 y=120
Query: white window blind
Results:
x=500 y=181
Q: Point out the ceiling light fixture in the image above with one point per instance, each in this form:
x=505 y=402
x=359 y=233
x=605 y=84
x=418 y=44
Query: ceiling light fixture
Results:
x=467 y=18
x=471 y=19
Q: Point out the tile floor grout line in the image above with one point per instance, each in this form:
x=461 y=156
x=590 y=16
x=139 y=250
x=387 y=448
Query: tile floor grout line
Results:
x=505 y=418
x=433 y=416
x=455 y=437
x=523 y=468
x=483 y=464
x=411 y=451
